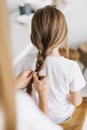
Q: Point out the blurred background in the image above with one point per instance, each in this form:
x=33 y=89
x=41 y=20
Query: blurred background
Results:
x=20 y=15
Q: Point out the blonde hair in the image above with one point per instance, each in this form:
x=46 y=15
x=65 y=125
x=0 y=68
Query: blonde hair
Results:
x=48 y=30
x=7 y=98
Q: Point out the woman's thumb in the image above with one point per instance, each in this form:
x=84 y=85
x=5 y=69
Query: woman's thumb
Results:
x=35 y=78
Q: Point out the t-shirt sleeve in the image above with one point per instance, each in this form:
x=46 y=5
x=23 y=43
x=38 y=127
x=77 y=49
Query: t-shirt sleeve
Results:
x=77 y=79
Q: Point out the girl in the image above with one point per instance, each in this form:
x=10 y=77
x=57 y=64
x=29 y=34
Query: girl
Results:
x=48 y=32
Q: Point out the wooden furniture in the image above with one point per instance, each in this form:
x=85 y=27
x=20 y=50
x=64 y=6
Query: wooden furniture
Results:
x=73 y=53
x=78 y=118
x=83 y=55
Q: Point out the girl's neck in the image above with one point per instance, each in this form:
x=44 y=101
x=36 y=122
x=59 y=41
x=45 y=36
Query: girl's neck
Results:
x=55 y=52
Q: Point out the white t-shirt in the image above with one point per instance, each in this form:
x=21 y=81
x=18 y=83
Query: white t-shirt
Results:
x=65 y=76
x=29 y=117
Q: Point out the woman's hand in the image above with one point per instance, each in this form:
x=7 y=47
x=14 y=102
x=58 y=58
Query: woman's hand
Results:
x=23 y=79
x=42 y=86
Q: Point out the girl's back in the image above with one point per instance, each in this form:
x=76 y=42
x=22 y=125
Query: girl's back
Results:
x=65 y=76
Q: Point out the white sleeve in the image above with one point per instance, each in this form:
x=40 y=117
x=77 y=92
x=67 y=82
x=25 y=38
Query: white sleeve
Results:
x=77 y=79
x=30 y=117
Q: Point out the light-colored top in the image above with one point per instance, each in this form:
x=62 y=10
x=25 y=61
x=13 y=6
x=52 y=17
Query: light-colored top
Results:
x=65 y=76
x=29 y=117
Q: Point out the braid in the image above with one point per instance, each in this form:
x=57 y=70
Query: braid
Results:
x=29 y=88
x=39 y=64
x=41 y=57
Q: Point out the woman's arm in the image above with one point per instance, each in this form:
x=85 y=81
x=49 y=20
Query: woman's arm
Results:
x=42 y=86
x=75 y=98
x=43 y=104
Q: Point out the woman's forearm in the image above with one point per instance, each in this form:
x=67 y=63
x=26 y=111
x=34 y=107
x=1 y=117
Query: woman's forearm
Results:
x=42 y=86
x=43 y=104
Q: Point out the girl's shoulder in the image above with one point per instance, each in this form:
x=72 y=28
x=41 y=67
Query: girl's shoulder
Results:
x=61 y=64
x=55 y=60
x=70 y=64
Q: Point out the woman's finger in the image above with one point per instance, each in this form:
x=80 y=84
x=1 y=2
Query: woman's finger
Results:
x=41 y=77
x=29 y=74
x=35 y=78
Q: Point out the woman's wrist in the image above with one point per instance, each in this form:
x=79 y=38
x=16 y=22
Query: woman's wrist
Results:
x=18 y=83
x=43 y=96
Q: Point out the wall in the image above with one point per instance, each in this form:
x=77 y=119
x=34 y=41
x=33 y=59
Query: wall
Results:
x=77 y=23
x=12 y=4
